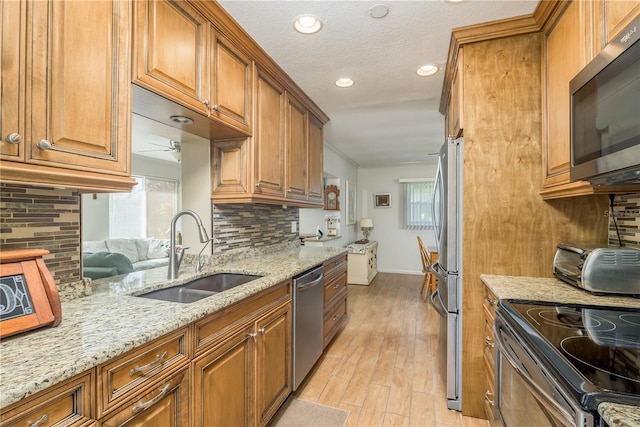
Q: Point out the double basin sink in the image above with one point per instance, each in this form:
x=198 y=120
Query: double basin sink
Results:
x=200 y=288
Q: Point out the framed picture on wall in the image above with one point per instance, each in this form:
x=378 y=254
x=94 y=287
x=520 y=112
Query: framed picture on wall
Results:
x=350 y=214
x=382 y=200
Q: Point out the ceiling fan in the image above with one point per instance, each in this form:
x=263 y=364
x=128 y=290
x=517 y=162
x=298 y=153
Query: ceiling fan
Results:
x=175 y=147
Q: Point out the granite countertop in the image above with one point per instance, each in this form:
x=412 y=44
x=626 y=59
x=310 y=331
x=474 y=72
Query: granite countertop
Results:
x=554 y=290
x=112 y=320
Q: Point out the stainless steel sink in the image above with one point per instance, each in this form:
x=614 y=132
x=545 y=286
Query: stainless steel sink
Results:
x=200 y=288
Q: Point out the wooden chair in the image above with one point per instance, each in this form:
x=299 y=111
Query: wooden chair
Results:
x=428 y=285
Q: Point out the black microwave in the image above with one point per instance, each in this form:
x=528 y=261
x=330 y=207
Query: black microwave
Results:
x=605 y=114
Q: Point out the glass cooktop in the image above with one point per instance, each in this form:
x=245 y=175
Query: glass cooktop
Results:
x=595 y=350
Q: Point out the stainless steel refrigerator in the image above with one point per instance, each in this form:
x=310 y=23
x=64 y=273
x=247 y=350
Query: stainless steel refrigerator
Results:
x=447 y=298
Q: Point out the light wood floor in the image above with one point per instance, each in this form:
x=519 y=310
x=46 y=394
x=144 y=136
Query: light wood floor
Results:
x=382 y=366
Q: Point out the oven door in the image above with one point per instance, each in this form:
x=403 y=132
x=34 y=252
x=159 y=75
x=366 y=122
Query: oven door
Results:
x=526 y=393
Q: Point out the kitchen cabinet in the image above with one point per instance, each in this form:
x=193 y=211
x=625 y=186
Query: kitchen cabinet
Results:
x=66 y=94
x=363 y=265
x=164 y=404
x=572 y=38
x=489 y=308
x=454 y=117
x=285 y=152
x=335 y=297
x=122 y=377
x=297 y=148
x=69 y=403
x=244 y=359
x=172 y=52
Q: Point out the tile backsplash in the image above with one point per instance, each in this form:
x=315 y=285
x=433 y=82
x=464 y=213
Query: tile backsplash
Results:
x=626 y=211
x=238 y=226
x=43 y=218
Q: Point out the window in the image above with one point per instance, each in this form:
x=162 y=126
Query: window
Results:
x=146 y=211
x=418 y=198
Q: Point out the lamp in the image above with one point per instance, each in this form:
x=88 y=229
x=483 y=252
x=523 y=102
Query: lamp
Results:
x=366 y=224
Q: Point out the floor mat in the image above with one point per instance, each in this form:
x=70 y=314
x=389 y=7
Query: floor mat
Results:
x=300 y=413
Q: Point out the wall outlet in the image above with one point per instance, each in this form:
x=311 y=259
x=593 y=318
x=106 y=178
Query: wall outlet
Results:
x=294 y=226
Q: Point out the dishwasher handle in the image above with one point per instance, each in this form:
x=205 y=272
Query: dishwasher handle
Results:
x=306 y=285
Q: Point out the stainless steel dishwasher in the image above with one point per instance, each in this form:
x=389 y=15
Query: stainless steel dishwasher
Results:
x=308 y=299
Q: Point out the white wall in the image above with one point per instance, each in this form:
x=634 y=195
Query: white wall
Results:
x=337 y=170
x=397 y=247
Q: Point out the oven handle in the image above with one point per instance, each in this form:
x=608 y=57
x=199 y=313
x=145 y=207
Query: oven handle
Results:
x=550 y=404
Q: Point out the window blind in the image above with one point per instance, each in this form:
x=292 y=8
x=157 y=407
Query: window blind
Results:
x=418 y=198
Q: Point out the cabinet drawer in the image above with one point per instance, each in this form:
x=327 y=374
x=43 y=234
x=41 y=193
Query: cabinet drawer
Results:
x=334 y=319
x=164 y=404
x=334 y=267
x=216 y=327
x=334 y=287
x=67 y=404
x=121 y=377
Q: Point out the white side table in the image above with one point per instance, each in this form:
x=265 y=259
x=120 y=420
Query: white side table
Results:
x=362 y=263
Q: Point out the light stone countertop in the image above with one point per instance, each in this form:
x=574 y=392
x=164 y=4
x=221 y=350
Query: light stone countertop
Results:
x=554 y=290
x=113 y=321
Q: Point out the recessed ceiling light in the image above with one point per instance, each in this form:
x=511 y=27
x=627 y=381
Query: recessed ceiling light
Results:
x=344 y=82
x=454 y=1
x=427 y=70
x=183 y=120
x=307 y=24
x=379 y=11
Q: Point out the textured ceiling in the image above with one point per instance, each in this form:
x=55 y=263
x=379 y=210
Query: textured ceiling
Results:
x=390 y=116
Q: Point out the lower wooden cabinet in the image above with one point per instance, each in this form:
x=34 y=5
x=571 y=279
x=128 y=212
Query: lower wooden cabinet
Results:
x=165 y=404
x=335 y=297
x=489 y=308
x=244 y=379
x=69 y=403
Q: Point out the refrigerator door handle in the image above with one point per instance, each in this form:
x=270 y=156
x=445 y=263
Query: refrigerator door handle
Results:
x=436 y=269
x=434 y=218
x=437 y=305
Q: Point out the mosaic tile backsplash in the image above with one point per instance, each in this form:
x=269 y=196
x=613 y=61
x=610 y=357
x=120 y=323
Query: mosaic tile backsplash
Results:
x=626 y=211
x=238 y=226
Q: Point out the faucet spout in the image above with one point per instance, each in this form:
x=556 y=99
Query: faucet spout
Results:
x=176 y=253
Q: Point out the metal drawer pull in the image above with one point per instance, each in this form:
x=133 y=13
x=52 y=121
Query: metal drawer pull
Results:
x=488 y=342
x=336 y=317
x=490 y=300
x=486 y=397
x=14 y=138
x=336 y=286
x=144 y=405
x=149 y=365
x=40 y=420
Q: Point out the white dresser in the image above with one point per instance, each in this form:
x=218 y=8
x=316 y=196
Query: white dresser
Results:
x=363 y=263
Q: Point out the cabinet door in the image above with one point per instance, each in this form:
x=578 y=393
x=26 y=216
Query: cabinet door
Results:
x=78 y=97
x=618 y=14
x=230 y=167
x=315 y=168
x=268 y=137
x=165 y=404
x=12 y=57
x=223 y=379
x=231 y=79
x=568 y=49
x=454 y=119
x=172 y=52
x=273 y=362
x=297 y=143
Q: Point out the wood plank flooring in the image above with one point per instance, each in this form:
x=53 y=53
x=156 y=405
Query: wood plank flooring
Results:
x=382 y=366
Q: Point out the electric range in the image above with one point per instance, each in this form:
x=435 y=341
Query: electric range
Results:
x=575 y=356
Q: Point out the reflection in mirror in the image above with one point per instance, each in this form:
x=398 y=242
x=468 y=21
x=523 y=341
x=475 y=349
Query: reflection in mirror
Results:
x=125 y=232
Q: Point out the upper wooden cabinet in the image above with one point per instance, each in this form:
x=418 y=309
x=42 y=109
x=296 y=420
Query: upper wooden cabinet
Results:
x=172 y=49
x=297 y=149
x=180 y=55
x=572 y=37
x=281 y=163
x=66 y=107
x=455 y=124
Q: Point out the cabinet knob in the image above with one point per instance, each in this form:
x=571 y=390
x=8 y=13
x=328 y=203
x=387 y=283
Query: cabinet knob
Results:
x=215 y=107
x=14 y=138
x=206 y=102
x=252 y=335
x=258 y=185
x=43 y=144
x=262 y=330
